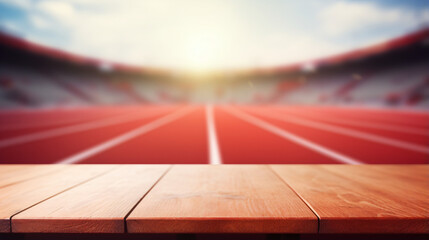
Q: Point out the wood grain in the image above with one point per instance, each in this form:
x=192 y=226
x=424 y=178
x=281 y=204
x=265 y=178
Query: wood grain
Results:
x=221 y=199
x=365 y=198
x=17 y=197
x=97 y=206
x=15 y=173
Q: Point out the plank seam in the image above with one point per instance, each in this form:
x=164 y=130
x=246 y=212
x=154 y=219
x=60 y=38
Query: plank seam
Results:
x=299 y=195
x=65 y=190
x=144 y=195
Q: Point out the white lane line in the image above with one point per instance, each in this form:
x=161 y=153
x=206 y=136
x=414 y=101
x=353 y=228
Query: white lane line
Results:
x=125 y=137
x=383 y=126
x=345 y=131
x=294 y=138
x=214 y=153
x=73 y=129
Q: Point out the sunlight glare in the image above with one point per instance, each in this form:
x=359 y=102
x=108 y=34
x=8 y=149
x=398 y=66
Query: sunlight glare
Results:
x=203 y=51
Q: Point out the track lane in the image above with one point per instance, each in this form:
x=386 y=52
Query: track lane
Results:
x=23 y=123
x=31 y=137
x=241 y=142
x=182 y=141
x=420 y=137
x=401 y=118
x=5 y=134
x=52 y=149
x=17 y=119
x=366 y=151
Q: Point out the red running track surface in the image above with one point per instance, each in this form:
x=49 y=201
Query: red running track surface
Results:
x=242 y=134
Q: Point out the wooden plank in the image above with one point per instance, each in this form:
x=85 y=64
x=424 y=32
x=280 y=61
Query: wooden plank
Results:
x=97 y=206
x=221 y=199
x=15 y=173
x=17 y=197
x=365 y=198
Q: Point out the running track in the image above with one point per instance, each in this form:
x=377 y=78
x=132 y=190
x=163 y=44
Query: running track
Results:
x=214 y=134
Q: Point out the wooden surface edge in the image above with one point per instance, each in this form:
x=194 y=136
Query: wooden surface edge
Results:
x=5 y=225
x=252 y=225
x=68 y=226
x=375 y=226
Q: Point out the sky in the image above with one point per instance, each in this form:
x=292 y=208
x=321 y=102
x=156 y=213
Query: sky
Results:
x=204 y=35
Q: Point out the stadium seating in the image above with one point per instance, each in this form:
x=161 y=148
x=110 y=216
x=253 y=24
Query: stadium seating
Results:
x=395 y=77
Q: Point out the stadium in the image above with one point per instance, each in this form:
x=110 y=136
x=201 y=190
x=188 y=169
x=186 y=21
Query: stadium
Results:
x=334 y=146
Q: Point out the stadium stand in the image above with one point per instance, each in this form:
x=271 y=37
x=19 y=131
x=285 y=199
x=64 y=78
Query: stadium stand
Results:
x=395 y=77
x=394 y=73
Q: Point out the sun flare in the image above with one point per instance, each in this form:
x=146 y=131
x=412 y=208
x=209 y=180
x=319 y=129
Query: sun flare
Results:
x=203 y=51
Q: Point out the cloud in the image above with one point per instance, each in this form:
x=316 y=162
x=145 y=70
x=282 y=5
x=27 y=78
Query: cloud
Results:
x=347 y=17
x=215 y=34
x=293 y=47
x=140 y=32
x=57 y=9
x=21 y=4
x=425 y=16
x=39 y=22
x=10 y=27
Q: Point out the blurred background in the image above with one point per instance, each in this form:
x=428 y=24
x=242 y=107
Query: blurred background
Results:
x=362 y=66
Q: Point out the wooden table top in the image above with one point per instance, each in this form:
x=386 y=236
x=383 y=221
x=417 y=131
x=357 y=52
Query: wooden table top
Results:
x=214 y=198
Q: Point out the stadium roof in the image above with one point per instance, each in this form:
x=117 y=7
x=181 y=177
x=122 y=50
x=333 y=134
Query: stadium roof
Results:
x=418 y=36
